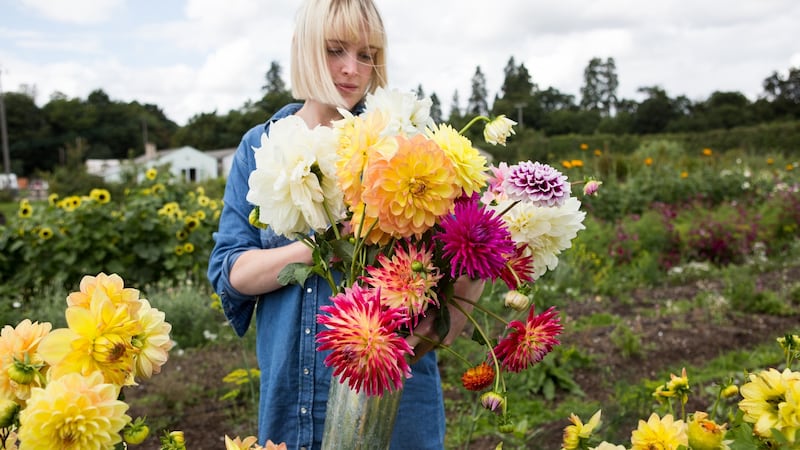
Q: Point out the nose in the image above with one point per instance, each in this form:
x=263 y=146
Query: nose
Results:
x=349 y=64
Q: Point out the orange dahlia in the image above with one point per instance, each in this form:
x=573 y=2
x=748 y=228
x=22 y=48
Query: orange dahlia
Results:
x=411 y=190
x=478 y=378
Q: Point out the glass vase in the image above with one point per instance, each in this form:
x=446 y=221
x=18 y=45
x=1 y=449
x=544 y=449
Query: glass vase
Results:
x=354 y=420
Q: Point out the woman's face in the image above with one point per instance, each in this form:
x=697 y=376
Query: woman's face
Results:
x=351 y=66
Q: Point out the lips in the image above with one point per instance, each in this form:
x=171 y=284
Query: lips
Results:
x=347 y=87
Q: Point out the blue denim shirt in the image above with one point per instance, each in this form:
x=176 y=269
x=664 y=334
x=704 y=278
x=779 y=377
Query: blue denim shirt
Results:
x=294 y=379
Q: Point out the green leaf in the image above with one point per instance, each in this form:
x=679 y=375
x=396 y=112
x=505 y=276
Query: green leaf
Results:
x=295 y=273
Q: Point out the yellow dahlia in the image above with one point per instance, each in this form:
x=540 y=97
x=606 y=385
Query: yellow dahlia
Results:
x=110 y=286
x=153 y=342
x=789 y=410
x=762 y=396
x=662 y=433
x=366 y=227
x=578 y=431
x=248 y=443
x=410 y=191
x=99 y=338
x=73 y=412
x=20 y=343
x=360 y=141
x=469 y=164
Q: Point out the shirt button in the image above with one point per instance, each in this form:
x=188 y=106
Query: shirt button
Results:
x=306 y=371
x=309 y=290
x=308 y=330
x=303 y=410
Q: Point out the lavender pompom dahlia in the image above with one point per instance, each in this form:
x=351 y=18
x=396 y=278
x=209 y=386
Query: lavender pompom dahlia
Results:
x=536 y=183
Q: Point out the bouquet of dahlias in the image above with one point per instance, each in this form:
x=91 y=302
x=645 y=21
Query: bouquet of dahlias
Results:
x=61 y=388
x=402 y=208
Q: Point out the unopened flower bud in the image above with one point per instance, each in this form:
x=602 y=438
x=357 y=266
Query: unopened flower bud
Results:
x=8 y=412
x=498 y=130
x=253 y=218
x=730 y=391
x=177 y=436
x=591 y=187
x=705 y=434
x=516 y=300
x=493 y=402
x=417 y=266
x=21 y=373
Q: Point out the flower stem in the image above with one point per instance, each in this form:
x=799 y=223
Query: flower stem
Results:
x=482 y=309
x=498 y=377
x=472 y=122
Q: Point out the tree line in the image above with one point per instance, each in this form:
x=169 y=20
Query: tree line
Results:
x=44 y=138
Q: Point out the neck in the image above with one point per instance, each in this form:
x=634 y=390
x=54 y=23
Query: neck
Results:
x=315 y=113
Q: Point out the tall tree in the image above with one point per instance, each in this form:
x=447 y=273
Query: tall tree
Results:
x=275 y=93
x=436 y=108
x=455 y=108
x=517 y=100
x=274 y=81
x=477 y=104
x=655 y=113
x=600 y=83
x=420 y=93
x=784 y=93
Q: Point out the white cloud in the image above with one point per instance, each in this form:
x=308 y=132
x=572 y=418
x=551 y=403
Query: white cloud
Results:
x=203 y=55
x=76 y=11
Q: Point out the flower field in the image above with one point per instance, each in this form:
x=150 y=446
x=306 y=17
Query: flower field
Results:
x=688 y=261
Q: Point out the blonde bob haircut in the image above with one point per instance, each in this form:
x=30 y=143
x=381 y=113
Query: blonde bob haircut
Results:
x=344 y=20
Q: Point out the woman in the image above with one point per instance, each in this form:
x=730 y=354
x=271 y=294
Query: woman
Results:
x=338 y=56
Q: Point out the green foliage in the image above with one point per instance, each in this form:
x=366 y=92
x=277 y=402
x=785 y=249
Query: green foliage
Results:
x=160 y=230
x=628 y=342
x=553 y=374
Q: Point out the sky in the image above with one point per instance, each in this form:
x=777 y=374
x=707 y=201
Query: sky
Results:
x=199 y=56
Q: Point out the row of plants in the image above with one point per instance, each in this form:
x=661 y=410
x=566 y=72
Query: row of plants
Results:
x=159 y=216
x=160 y=229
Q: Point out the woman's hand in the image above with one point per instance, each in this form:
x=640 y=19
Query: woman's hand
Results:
x=425 y=338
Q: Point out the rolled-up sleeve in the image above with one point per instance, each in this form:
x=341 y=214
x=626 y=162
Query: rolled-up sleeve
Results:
x=235 y=235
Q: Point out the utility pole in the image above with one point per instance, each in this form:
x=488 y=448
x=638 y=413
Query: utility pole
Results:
x=3 y=130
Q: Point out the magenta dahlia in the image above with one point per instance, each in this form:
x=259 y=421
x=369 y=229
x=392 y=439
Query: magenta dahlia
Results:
x=475 y=240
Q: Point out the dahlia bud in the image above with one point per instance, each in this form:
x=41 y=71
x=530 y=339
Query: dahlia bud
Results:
x=730 y=391
x=493 y=402
x=591 y=187
x=498 y=130
x=705 y=434
x=8 y=413
x=516 y=300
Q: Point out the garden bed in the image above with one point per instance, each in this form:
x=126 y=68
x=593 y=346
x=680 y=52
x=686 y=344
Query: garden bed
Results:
x=187 y=390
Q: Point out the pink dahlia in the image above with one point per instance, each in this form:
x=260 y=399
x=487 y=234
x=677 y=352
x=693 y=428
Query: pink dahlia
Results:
x=365 y=347
x=529 y=342
x=407 y=279
x=475 y=240
x=536 y=183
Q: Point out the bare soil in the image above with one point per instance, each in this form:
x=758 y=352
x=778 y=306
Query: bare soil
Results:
x=183 y=397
